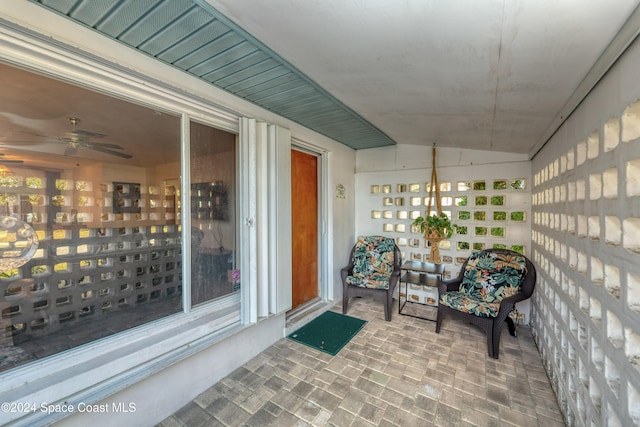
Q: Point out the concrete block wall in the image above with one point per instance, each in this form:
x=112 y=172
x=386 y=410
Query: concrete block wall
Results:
x=391 y=193
x=586 y=246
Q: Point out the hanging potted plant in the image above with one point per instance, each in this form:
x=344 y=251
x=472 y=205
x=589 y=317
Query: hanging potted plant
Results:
x=435 y=228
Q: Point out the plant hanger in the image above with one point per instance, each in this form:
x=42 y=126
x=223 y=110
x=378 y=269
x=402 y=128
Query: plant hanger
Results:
x=434 y=183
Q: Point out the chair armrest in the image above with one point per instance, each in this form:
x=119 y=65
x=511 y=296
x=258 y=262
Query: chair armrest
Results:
x=449 y=285
x=346 y=271
x=510 y=301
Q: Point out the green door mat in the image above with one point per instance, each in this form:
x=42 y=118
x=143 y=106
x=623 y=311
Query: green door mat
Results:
x=328 y=332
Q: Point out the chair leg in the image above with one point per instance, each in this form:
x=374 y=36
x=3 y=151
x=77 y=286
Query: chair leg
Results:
x=512 y=327
x=493 y=339
x=387 y=306
x=345 y=299
x=439 y=319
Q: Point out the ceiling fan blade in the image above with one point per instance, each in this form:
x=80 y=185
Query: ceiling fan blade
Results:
x=36 y=134
x=70 y=150
x=113 y=153
x=22 y=142
x=88 y=133
x=101 y=144
x=11 y=161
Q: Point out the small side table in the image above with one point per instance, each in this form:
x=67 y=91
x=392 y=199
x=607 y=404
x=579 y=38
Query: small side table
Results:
x=423 y=274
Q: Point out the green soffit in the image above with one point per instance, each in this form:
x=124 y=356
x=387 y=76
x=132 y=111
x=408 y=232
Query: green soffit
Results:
x=195 y=38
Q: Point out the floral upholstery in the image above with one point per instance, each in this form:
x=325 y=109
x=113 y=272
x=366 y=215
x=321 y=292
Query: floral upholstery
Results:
x=373 y=262
x=488 y=278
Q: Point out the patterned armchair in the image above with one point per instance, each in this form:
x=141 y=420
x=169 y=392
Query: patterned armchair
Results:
x=373 y=270
x=486 y=291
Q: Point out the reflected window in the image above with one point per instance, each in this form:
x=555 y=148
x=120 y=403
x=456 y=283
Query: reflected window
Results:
x=214 y=272
x=85 y=171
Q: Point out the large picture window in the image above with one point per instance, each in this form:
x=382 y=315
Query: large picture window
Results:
x=90 y=216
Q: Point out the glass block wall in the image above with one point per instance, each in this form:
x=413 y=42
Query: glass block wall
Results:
x=586 y=246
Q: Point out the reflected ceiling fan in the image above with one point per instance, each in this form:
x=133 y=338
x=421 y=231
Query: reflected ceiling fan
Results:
x=82 y=138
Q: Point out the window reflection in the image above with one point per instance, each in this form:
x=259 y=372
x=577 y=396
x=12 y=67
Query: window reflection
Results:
x=213 y=224
x=85 y=172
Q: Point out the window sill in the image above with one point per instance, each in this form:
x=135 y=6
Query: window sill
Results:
x=97 y=370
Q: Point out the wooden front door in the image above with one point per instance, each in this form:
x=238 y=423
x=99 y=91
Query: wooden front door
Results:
x=304 y=218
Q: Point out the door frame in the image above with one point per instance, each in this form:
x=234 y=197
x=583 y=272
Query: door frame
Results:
x=325 y=292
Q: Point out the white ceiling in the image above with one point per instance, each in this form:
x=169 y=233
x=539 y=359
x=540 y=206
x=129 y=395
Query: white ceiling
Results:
x=481 y=74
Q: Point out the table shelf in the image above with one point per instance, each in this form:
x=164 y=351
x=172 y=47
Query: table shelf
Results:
x=426 y=275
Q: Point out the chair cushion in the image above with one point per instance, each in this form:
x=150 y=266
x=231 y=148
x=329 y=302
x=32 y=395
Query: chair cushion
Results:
x=373 y=259
x=467 y=304
x=491 y=276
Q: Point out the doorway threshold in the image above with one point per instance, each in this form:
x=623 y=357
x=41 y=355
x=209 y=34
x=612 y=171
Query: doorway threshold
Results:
x=302 y=315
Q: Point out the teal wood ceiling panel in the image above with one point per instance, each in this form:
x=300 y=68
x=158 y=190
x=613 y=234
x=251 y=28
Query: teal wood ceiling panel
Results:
x=192 y=36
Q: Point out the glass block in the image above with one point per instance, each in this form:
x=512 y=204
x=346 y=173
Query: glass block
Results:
x=479 y=215
x=500 y=184
x=35 y=182
x=611 y=134
x=401 y=188
x=36 y=271
x=581 y=152
x=633 y=178
x=498 y=231
x=631 y=234
x=63 y=184
x=387 y=201
x=445 y=186
x=84 y=186
x=61 y=267
x=480 y=200
x=519 y=184
x=414 y=188
x=415 y=201
x=463 y=186
x=480 y=231
x=498 y=200
x=518 y=248
x=59 y=200
x=479 y=185
x=499 y=216
x=464 y=215
x=593 y=145
x=375 y=189
x=376 y=214
x=631 y=122
x=462 y=246
x=386 y=189
x=402 y=215
x=518 y=216
x=610 y=183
